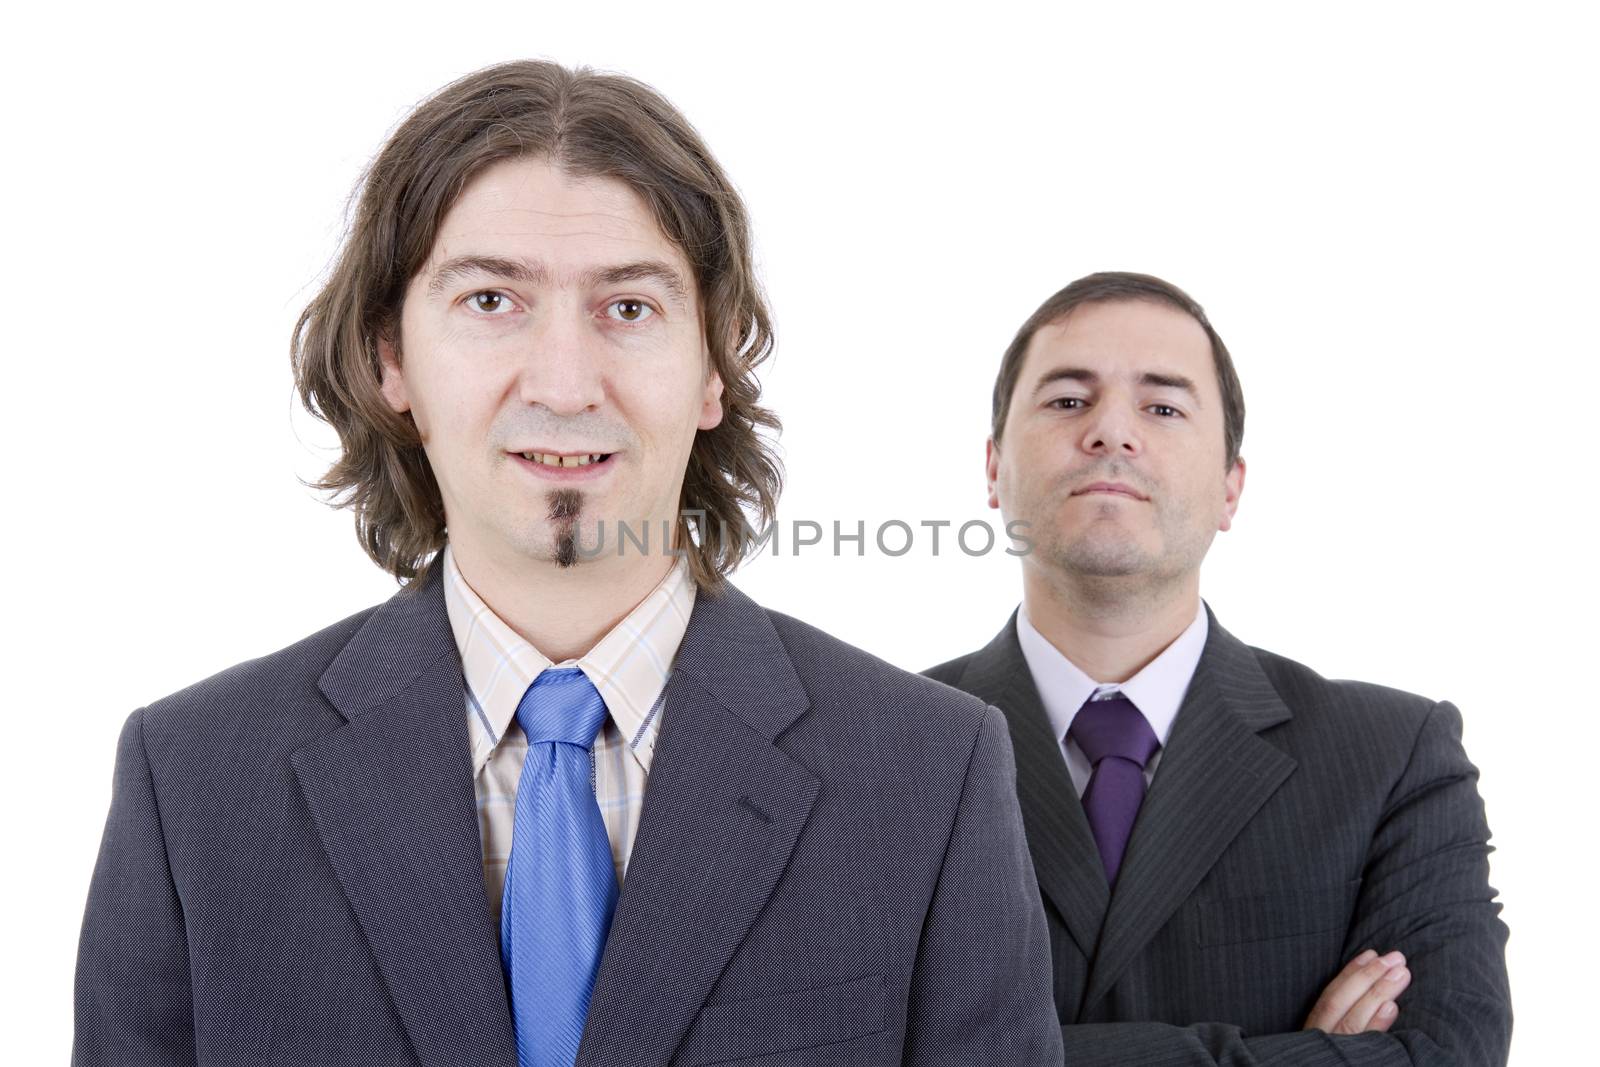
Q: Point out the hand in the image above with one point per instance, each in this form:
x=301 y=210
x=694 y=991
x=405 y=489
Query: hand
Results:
x=1361 y=997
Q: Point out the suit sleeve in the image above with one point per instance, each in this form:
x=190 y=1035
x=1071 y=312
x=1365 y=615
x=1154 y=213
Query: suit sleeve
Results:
x=1426 y=892
x=981 y=986
x=132 y=1000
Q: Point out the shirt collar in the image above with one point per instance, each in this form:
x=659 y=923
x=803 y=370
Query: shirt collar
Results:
x=1157 y=690
x=629 y=665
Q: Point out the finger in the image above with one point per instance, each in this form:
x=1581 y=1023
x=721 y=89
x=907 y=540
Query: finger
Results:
x=1357 y=962
x=1384 y=1017
x=1327 y=1011
x=1348 y=987
x=1360 y=1017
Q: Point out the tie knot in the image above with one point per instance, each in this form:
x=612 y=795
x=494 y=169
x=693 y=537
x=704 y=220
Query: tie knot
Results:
x=1113 y=727
x=562 y=705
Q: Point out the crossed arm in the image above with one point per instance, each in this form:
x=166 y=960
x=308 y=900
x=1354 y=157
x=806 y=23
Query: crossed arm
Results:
x=1425 y=892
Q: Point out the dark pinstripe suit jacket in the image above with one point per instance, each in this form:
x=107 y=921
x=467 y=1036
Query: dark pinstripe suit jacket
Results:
x=830 y=867
x=1292 y=822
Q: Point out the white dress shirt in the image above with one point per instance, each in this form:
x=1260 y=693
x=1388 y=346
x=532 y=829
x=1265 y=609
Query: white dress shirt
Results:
x=1157 y=691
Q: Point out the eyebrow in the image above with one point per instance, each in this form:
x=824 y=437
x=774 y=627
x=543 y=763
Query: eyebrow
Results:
x=1089 y=377
x=531 y=273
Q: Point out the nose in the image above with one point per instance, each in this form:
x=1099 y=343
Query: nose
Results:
x=562 y=365
x=1111 y=429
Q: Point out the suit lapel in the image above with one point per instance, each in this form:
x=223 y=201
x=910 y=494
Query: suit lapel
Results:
x=391 y=795
x=1065 y=859
x=722 y=813
x=1214 y=775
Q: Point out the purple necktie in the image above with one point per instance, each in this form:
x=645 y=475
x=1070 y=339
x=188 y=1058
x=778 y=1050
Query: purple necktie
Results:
x=1119 y=742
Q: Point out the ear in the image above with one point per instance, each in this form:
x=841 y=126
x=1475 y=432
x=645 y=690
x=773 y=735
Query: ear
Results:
x=711 y=403
x=1233 y=486
x=991 y=469
x=394 y=382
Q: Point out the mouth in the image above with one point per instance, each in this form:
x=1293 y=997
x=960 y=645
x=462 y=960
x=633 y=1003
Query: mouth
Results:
x=1110 y=489
x=564 y=466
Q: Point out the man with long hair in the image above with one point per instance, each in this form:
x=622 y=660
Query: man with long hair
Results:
x=567 y=797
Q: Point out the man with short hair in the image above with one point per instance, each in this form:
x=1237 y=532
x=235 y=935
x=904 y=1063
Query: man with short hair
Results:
x=1241 y=862
x=567 y=797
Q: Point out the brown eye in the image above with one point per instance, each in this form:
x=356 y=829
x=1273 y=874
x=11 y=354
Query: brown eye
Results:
x=488 y=303
x=629 y=310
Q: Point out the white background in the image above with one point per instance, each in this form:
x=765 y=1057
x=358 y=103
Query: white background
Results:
x=1388 y=212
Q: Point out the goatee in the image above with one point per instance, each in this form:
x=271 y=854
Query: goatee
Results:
x=564 y=507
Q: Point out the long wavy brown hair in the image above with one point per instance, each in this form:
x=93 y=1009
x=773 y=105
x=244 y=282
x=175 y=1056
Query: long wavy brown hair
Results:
x=591 y=125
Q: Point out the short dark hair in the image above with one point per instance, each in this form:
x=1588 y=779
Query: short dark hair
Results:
x=590 y=125
x=1107 y=287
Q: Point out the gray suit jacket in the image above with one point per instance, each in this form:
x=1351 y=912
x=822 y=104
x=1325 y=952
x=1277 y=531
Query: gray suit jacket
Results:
x=1292 y=822
x=830 y=867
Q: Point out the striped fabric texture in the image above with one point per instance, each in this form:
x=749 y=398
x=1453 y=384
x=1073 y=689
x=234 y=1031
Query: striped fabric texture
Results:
x=629 y=667
x=1294 y=821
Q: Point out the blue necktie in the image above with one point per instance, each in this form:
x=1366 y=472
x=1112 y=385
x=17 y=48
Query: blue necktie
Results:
x=561 y=886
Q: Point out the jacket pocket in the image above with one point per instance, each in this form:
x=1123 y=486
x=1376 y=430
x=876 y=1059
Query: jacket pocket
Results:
x=1271 y=916
x=778 y=1022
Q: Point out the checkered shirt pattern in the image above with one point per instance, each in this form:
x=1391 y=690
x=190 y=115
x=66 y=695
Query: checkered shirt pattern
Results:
x=629 y=666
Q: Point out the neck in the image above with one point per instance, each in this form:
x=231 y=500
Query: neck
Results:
x=561 y=611
x=1109 y=628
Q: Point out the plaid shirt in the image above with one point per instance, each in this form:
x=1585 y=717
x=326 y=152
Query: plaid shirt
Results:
x=629 y=666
